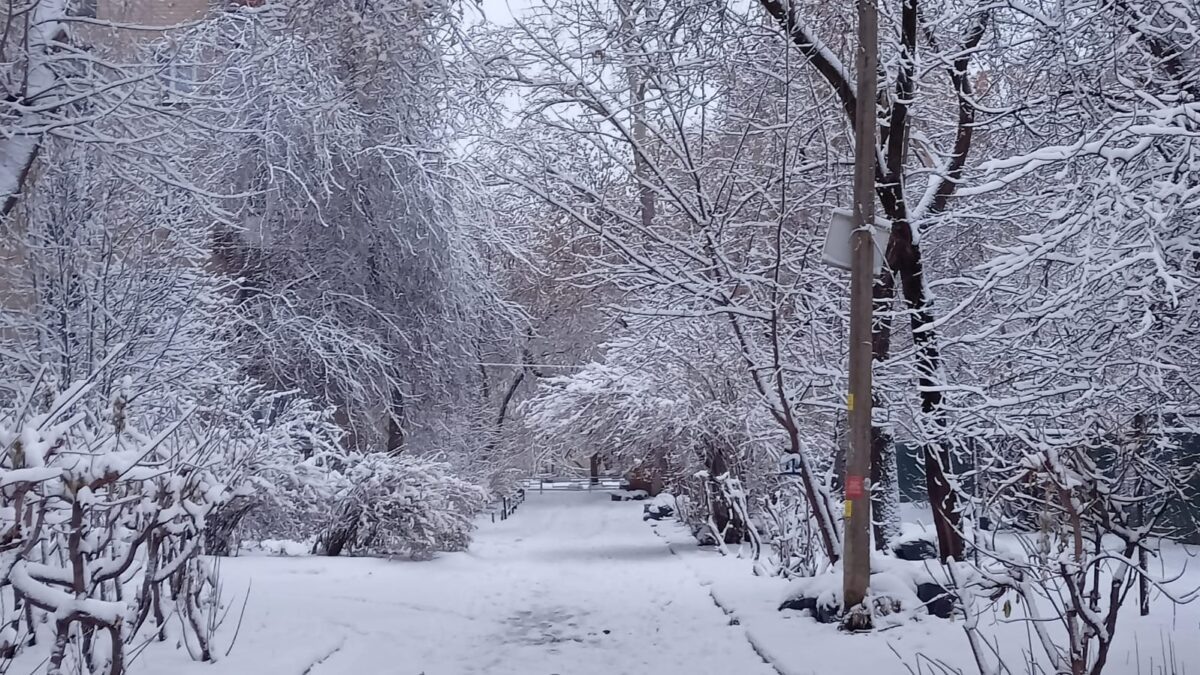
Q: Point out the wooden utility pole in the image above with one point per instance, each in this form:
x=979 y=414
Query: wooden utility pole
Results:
x=635 y=54
x=856 y=558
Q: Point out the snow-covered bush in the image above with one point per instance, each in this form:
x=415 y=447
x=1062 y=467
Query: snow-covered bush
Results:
x=1100 y=506
x=166 y=447
x=660 y=507
x=400 y=505
x=102 y=526
x=288 y=456
x=505 y=481
x=789 y=534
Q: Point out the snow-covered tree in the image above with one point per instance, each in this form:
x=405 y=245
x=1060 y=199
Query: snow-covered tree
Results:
x=365 y=281
x=244 y=343
x=679 y=196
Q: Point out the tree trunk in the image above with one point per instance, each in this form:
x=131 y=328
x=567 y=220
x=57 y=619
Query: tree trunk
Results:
x=21 y=147
x=24 y=149
x=936 y=453
x=885 y=491
x=729 y=524
x=395 y=434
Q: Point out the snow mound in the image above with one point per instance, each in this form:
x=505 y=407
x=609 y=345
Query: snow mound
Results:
x=662 y=506
x=900 y=590
x=279 y=547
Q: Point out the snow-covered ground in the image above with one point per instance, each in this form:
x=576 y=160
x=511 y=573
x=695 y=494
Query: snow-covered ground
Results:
x=572 y=584
x=1162 y=643
x=575 y=584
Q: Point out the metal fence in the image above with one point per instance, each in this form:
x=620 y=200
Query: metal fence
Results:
x=573 y=484
x=506 y=506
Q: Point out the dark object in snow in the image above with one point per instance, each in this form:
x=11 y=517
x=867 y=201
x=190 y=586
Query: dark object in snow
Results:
x=822 y=613
x=916 y=550
x=985 y=523
x=938 y=601
x=826 y=613
x=657 y=511
x=799 y=603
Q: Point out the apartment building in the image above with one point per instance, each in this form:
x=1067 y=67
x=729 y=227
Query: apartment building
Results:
x=150 y=12
x=140 y=13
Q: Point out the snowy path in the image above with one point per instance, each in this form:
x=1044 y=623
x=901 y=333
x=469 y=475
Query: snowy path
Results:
x=573 y=584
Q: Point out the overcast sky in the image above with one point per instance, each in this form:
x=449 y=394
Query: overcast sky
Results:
x=496 y=11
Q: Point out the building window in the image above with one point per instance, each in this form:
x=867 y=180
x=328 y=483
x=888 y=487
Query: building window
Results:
x=176 y=75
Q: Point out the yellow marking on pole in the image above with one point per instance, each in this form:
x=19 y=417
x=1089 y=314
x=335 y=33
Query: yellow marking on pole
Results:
x=849 y=508
x=850 y=402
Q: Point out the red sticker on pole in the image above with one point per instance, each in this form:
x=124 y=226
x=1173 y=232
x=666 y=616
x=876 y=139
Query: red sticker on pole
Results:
x=854 y=487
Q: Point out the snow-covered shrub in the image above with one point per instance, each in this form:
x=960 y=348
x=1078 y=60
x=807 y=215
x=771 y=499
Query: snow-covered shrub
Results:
x=288 y=457
x=659 y=508
x=401 y=505
x=900 y=590
x=789 y=534
x=101 y=525
x=1100 y=502
x=162 y=451
x=629 y=495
